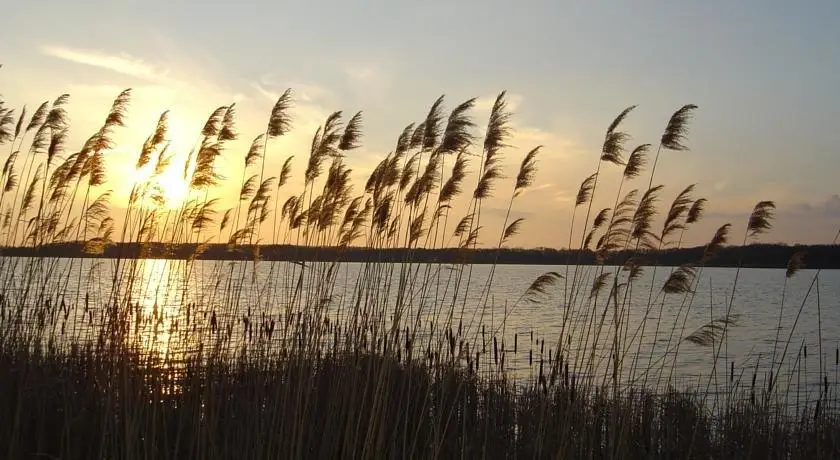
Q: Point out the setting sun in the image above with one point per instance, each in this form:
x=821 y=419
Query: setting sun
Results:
x=173 y=188
x=167 y=189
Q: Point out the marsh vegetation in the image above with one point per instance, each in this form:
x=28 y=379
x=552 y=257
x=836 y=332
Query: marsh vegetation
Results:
x=129 y=358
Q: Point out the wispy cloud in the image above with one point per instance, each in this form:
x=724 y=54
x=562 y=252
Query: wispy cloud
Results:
x=122 y=63
x=485 y=103
x=361 y=73
x=368 y=81
x=830 y=208
x=563 y=197
x=272 y=88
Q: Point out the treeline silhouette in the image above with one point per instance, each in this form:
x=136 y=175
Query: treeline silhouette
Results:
x=754 y=255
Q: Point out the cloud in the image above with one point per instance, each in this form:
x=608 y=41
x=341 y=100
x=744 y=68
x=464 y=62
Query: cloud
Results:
x=368 y=82
x=829 y=208
x=538 y=188
x=564 y=197
x=832 y=206
x=485 y=103
x=122 y=63
x=360 y=73
x=270 y=95
x=502 y=212
x=272 y=85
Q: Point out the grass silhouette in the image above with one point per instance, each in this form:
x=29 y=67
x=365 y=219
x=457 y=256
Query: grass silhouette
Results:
x=408 y=360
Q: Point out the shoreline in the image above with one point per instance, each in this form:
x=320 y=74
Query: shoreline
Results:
x=750 y=256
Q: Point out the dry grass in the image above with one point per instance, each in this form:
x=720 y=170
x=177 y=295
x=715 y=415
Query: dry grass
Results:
x=268 y=360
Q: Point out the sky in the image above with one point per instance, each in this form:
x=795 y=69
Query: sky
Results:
x=763 y=74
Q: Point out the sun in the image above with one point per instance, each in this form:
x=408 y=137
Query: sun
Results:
x=173 y=187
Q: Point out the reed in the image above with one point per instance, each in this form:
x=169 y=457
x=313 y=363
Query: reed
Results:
x=136 y=358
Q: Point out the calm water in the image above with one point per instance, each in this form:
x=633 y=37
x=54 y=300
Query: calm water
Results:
x=173 y=305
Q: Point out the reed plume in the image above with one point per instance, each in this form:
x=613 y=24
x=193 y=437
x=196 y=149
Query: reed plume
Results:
x=404 y=141
x=417 y=135
x=463 y=225
x=8 y=165
x=796 y=263
x=57 y=116
x=204 y=175
x=718 y=240
x=760 y=219
x=94 y=169
x=600 y=218
x=280 y=121
x=527 y=171
x=674 y=135
x=116 y=116
x=457 y=136
x=351 y=138
x=38 y=117
x=29 y=196
x=323 y=146
x=452 y=186
x=677 y=128
x=7 y=120
x=695 y=212
x=599 y=283
x=223 y=224
x=613 y=146
x=416 y=229
x=617 y=234
x=512 y=229
x=642 y=218
x=485 y=185
x=204 y=215
x=255 y=151
x=680 y=280
x=472 y=238
x=153 y=142
x=163 y=161
x=712 y=332
x=409 y=170
x=19 y=124
x=97 y=211
x=636 y=161
x=634 y=269
x=541 y=285
x=674 y=219
x=498 y=131
x=213 y=123
x=431 y=125
x=248 y=188
x=11 y=181
x=585 y=190
x=60 y=179
x=228 y=129
x=285 y=172
x=41 y=140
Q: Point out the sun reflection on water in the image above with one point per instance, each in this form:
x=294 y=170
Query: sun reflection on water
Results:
x=159 y=295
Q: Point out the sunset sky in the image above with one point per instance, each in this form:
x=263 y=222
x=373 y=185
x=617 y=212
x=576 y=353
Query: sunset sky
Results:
x=763 y=73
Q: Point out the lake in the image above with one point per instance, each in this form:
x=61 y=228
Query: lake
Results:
x=171 y=307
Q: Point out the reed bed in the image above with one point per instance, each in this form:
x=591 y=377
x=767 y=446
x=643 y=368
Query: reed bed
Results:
x=120 y=358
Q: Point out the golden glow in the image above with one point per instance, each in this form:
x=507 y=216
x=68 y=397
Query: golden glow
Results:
x=173 y=188
x=168 y=189
x=157 y=293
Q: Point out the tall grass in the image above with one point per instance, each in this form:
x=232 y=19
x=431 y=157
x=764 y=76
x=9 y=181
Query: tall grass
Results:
x=129 y=358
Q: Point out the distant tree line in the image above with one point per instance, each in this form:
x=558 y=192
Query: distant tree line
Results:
x=755 y=255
